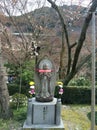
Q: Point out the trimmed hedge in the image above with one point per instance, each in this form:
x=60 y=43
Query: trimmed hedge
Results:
x=14 y=88
x=74 y=95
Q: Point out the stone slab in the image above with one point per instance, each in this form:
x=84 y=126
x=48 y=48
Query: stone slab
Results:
x=44 y=127
x=43 y=113
x=43 y=116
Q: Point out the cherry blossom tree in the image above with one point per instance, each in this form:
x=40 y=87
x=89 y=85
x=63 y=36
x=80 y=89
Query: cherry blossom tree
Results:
x=73 y=63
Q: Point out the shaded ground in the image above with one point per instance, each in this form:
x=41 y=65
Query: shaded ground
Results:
x=75 y=117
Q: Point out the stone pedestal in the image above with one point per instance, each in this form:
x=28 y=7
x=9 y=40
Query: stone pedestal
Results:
x=43 y=115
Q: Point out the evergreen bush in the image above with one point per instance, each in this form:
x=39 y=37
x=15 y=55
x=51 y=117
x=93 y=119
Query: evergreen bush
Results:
x=75 y=95
x=17 y=98
x=80 y=81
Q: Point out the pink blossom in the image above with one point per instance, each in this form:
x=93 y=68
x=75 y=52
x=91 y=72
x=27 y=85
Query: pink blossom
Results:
x=32 y=91
x=61 y=91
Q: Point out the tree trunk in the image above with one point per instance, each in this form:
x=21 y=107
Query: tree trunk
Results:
x=4 y=95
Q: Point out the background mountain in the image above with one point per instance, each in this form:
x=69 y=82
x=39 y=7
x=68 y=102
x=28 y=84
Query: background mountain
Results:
x=46 y=17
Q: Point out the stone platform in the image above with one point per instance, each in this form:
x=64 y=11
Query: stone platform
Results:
x=44 y=127
x=43 y=116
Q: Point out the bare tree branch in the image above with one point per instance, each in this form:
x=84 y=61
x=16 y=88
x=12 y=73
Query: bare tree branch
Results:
x=64 y=31
x=83 y=34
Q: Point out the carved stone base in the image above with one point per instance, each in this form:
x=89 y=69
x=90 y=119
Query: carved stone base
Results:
x=44 y=99
x=43 y=115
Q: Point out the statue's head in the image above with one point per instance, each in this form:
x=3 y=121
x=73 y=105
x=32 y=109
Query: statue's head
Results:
x=45 y=63
x=45 y=66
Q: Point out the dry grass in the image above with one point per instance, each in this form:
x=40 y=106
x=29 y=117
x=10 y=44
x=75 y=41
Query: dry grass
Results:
x=77 y=117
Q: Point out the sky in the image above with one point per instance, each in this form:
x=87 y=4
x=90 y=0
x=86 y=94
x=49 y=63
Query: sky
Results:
x=30 y=5
x=40 y=3
x=59 y=2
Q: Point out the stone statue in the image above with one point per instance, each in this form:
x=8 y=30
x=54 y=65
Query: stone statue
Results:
x=44 y=111
x=45 y=77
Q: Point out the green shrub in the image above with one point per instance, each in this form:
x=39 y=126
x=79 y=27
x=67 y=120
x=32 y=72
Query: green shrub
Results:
x=14 y=88
x=23 y=74
x=80 y=81
x=75 y=95
x=17 y=98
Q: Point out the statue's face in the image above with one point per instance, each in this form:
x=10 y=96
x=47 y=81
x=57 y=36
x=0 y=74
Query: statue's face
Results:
x=45 y=67
x=45 y=64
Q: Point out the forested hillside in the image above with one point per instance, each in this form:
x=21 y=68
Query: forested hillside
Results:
x=47 y=17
